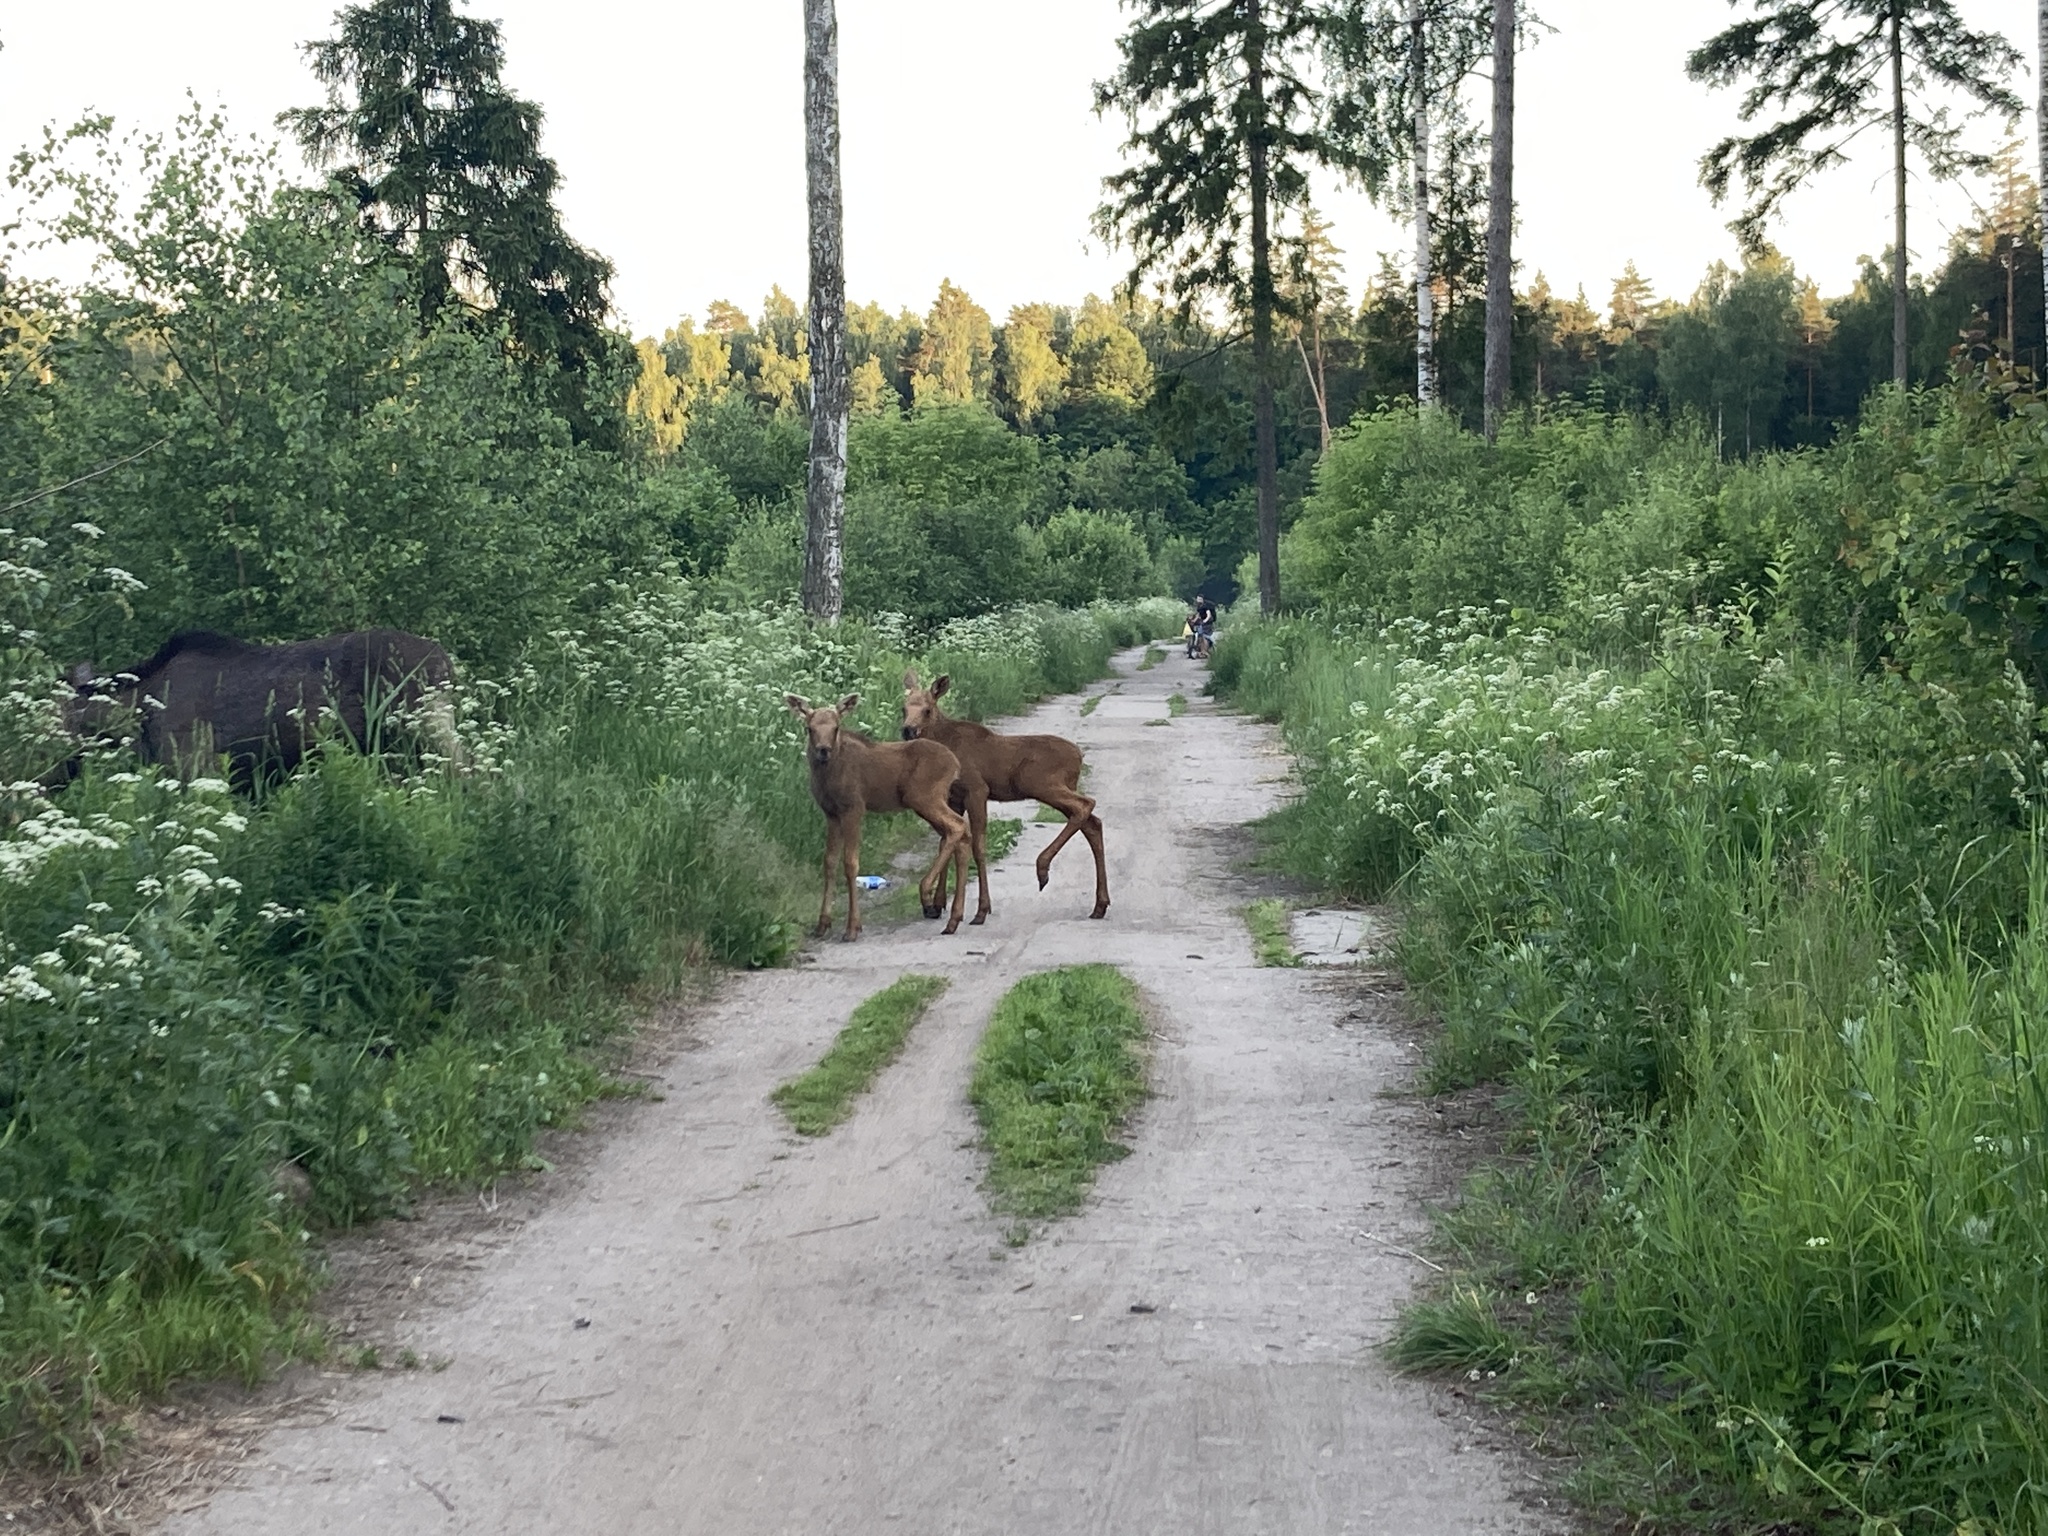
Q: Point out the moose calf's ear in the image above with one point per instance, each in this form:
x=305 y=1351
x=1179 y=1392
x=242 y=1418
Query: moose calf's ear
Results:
x=848 y=704
x=940 y=684
x=796 y=705
x=910 y=677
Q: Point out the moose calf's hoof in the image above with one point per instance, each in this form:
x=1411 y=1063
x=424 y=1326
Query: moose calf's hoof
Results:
x=977 y=920
x=952 y=927
x=1101 y=911
x=935 y=909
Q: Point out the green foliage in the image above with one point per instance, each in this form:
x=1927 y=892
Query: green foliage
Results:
x=1090 y=557
x=1001 y=836
x=872 y=1038
x=1702 y=906
x=305 y=458
x=1060 y=1067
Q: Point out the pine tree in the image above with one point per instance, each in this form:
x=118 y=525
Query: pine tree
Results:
x=446 y=165
x=830 y=375
x=1223 y=130
x=1837 y=67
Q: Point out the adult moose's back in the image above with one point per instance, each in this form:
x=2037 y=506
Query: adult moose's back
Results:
x=265 y=706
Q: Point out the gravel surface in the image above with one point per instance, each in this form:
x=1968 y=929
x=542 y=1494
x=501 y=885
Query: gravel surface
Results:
x=720 y=1328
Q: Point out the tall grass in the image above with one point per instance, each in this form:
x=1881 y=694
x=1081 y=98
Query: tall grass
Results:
x=387 y=974
x=1759 y=940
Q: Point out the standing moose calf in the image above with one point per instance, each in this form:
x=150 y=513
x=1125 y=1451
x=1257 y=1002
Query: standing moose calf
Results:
x=852 y=774
x=997 y=767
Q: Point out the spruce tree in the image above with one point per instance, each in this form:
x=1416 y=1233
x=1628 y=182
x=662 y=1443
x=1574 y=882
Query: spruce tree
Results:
x=445 y=163
x=1223 y=131
x=1836 y=68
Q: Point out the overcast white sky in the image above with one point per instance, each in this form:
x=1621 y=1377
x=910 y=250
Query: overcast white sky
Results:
x=971 y=148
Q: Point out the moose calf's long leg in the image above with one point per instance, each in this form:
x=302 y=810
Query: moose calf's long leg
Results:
x=952 y=832
x=849 y=844
x=977 y=836
x=831 y=858
x=1077 y=808
x=1092 y=830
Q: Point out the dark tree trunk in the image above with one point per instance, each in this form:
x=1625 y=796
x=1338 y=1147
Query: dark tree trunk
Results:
x=1268 y=442
x=831 y=383
x=2041 y=133
x=1500 y=221
x=1899 y=355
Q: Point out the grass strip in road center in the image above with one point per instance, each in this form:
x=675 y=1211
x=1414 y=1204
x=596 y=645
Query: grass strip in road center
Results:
x=824 y=1096
x=1060 y=1066
x=1272 y=932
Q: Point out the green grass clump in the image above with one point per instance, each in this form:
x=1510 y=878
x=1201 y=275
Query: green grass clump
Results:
x=1176 y=704
x=1152 y=657
x=873 y=1037
x=1090 y=704
x=1272 y=940
x=1061 y=1065
x=1001 y=836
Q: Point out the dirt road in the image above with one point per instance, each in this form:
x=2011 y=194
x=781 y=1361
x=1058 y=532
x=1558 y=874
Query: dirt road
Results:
x=723 y=1330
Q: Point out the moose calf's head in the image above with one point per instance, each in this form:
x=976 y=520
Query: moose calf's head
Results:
x=921 y=712
x=821 y=725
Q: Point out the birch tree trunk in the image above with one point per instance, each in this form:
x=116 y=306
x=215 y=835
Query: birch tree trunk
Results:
x=1263 y=299
x=831 y=382
x=2041 y=133
x=1899 y=354
x=1425 y=297
x=1500 y=221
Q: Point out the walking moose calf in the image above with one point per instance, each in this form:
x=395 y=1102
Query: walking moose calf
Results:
x=852 y=774
x=997 y=767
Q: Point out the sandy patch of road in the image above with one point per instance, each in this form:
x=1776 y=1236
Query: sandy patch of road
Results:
x=719 y=1328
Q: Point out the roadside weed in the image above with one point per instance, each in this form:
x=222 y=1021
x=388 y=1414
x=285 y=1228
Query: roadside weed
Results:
x=1272 y=940
x=1001 y=836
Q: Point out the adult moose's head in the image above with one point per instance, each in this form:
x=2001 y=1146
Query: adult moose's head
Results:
x=823 y=725
x=921 y=712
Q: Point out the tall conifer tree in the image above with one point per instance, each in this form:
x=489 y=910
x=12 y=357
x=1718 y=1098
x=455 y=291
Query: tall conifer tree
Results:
x=1835 y=68
x=1223 y=130
x=446 y=165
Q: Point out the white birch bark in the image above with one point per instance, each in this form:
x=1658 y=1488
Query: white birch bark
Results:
x=831 y=380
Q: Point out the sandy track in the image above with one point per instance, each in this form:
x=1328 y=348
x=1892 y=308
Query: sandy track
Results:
x=812 y=1337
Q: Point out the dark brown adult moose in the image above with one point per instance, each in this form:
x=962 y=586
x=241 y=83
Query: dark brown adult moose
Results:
x=997 y=767
x=852 y=774
x=265 y=706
